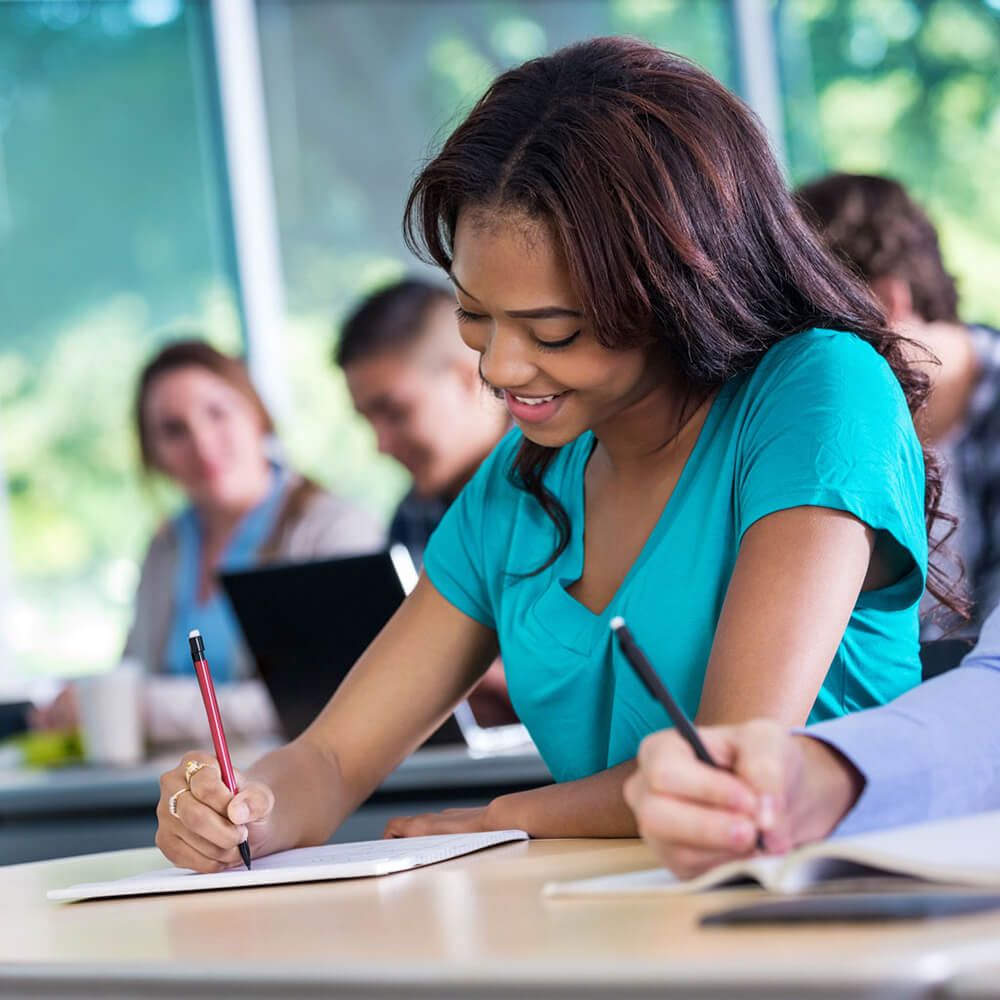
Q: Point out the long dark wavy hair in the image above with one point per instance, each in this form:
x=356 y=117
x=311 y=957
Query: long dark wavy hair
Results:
x=660 y=189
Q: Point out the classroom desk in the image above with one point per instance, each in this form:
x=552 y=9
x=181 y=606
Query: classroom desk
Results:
x=981 y=983
x=81 y=810
x=475 y=927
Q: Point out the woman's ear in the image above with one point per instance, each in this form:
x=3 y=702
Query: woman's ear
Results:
x=896 y=298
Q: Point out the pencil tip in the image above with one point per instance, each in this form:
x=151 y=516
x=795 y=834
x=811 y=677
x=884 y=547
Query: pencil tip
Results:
x=617 y=622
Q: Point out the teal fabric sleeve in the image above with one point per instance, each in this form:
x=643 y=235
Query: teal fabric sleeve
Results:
x=830 y=427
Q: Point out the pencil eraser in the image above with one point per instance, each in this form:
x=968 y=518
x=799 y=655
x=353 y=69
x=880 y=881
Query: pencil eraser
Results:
x=617 y=622
x=194 y=633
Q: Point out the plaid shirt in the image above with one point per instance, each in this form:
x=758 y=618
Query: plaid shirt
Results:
x=972 y=489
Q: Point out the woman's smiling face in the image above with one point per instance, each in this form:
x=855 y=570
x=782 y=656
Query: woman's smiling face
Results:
x=519 y=310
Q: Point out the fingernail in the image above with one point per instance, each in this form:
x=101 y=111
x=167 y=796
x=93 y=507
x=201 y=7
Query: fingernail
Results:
x=244 y=834
x=765 y=816
x=239 y=813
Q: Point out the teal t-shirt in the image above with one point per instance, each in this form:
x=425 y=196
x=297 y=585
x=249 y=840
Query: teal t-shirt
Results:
x=820 y=421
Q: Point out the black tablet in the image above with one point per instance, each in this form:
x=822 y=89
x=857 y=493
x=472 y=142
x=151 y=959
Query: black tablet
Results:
x=307 y=623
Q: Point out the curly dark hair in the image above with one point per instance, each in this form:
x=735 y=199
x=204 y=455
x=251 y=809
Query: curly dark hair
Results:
x=878 y=229
x=661 y=191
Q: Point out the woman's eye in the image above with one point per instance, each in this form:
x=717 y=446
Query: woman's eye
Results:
x=557 y=345
x=171 y=430
x=464 y=316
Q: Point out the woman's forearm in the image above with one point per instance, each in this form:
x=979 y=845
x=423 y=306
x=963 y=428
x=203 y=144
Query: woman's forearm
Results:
x=589 y=807
x=310 y=801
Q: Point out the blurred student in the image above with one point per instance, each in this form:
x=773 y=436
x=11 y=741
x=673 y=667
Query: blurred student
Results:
x=932 y=753
x=202 y=425
x=411 y=377
x=713 y=438
x=874 y=225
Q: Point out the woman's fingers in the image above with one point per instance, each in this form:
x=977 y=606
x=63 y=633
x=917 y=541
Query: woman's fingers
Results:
x=226 y=857
x=690 y=824
x=183 y=855
x=200 y=819
x=763 y=760
x=694 y=815
x=668 y=766
x=208 y=787
x=176 y=843
x=462 y=820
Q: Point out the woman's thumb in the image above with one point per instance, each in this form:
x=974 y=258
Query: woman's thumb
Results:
x=253 y=803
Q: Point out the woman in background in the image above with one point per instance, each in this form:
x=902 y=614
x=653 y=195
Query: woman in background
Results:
x=202 y=424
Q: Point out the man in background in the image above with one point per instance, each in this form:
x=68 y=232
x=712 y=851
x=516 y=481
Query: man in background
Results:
x=414 y=380
x=874 y=225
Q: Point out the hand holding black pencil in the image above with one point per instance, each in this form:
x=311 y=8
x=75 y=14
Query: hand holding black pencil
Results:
x=644 y=669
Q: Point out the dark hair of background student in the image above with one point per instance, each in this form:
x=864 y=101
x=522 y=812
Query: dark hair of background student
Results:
x=660 y=189
x=872 y=224
x=391 y=319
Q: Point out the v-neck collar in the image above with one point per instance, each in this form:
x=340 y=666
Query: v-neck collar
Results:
x=569 y=567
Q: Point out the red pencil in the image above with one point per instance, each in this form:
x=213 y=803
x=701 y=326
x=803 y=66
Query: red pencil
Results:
x=197 y=645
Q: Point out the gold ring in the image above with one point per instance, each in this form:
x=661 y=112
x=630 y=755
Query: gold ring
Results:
x=191 y=768
x=172 y=801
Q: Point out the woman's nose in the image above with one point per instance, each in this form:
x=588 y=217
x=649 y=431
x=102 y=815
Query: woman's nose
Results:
x=203 y=443
x=505 y=362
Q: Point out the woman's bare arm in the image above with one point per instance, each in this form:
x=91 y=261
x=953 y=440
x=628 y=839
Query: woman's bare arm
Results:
x=422 y=663
x=797 y=577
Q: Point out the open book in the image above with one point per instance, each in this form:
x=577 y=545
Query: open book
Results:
x=306 y=864
x=963 y=851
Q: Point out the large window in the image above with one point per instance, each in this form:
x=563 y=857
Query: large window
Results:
x=358 y=95
x=113 y=236
x=908 y=88
x=115 y=228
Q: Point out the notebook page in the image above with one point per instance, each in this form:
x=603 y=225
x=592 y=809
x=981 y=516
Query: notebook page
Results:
x=307 y=864
x=658 y=881
x=964 y=850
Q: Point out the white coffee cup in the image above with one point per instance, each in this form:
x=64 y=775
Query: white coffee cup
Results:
x=111 y=715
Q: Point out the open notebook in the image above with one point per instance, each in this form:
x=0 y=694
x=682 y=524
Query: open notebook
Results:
x=964 y=851
x=306 y=864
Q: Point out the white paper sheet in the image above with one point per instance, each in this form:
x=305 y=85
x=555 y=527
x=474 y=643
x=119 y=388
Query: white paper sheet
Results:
x=307 y=864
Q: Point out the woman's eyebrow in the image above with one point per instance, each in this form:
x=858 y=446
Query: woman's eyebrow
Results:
x=542 y=312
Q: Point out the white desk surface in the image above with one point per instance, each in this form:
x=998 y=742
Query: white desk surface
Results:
x=980 y=983
x=474 y=927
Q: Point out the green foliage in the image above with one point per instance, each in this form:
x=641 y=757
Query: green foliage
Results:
x=911 y=90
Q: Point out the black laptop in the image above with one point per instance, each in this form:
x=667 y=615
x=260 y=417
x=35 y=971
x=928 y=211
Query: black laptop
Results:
x=307 y=623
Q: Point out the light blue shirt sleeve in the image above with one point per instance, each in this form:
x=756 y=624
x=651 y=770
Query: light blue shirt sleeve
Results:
x=934 y=752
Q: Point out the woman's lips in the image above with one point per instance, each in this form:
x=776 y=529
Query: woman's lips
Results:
x=533 y=412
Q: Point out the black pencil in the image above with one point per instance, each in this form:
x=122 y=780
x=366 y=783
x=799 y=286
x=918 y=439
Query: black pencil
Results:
x=644 y=669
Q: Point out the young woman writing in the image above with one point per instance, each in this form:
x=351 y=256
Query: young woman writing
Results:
x=714 y=439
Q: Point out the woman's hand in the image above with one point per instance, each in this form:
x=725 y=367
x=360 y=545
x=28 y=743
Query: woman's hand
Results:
x=790 y=788
x=61 y=713
x=476 y=819
x=210 y=822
